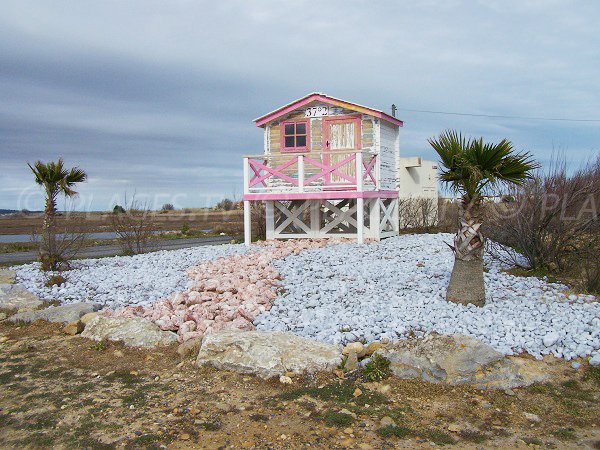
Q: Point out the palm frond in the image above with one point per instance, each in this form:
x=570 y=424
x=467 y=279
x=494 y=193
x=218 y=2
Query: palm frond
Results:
x=471 y=165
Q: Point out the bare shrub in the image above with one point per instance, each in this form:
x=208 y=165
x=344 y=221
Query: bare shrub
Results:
x=134 y=228
x=447 y=215
x=259 y=220
x=553 y=218
x=227 y=205
x=418 y=213
x=167 y=207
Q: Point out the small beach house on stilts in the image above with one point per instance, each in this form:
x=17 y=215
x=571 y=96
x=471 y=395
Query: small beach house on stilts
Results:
x=329 y=168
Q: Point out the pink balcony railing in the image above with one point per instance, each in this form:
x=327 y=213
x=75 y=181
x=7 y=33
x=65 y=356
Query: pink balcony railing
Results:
x=352 y=170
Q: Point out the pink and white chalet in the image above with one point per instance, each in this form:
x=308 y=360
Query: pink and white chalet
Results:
x=332 y=168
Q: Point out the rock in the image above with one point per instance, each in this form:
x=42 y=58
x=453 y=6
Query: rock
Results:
x=56 y=314
x=16 y=297
x=550 y=339
x=74 y=328
x=373 y=347
x=285 y=380
x=7 y=276
x=86 y=318
x=454 y=428
x=509 y=392
x=191 y=347
x=357 y=393
x=532 y=417
x=458 y=359
x=351 y=362
x=356 y=347
x=595 y=360
x=266 y=353
x=133 y=332
x=575 y=365
x=386 y=421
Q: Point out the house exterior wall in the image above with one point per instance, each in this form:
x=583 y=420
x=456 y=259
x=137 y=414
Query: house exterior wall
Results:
x=389 y=142
x=368 y=137
x=417 y=178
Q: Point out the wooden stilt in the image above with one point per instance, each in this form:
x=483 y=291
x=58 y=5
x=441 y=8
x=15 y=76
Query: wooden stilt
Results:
x=360 y=220
x=247 y=223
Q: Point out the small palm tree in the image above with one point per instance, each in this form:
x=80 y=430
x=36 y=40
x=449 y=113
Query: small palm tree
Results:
x=471 y=167
x=54 y=179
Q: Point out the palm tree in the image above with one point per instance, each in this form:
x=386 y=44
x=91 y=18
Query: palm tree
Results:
x=471 y=167
x=54 y=179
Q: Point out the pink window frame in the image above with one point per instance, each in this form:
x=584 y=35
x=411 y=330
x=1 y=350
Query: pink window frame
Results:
x=305 y=148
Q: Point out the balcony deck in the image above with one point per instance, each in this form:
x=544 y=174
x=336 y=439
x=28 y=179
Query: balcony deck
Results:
x=316 y=175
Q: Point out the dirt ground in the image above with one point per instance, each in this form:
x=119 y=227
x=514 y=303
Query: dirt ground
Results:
x=196 y=219
x=68 y=392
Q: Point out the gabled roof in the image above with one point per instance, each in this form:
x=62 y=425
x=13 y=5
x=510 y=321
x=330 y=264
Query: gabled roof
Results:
x=317 y=96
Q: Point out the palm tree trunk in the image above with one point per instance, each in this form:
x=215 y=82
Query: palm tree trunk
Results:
x=48 y=253
x=466 y=282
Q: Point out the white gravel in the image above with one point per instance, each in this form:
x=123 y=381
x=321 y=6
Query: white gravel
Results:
x=123 y=280
x=347 y=292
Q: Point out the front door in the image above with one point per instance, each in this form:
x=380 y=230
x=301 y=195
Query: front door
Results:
x=341 y=140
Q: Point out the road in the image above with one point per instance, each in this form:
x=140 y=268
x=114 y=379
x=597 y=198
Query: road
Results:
x=112 y=250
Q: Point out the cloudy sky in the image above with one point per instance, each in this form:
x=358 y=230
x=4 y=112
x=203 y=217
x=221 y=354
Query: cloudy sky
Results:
x=158 y=97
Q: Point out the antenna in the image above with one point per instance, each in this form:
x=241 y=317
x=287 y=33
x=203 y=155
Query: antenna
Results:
x=394 y=109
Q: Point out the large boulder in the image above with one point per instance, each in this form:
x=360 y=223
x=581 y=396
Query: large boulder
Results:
x=7 y=276
x=132 y=331
x=266 y=353
x=57 y=314
x=458 y=359
x=16 y=297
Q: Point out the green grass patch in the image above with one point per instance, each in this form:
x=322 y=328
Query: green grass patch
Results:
x=393 y=430
x=592 y=374
x=123 y=376
x=532 y=440
x=474 y=436
x=342 y=392
x=565 y=434
x=259 y=418
x=211 y=426
x=437 y=436
x=337 y=419
x=377 y=369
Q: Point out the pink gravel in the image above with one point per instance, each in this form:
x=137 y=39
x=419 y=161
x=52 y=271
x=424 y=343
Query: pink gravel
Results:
x=227 y=293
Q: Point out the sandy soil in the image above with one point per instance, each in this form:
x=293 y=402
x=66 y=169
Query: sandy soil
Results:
x=68 y=392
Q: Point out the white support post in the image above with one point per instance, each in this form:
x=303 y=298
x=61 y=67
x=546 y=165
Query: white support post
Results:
x=360 y=220
x=375 y=219
x=270 y=217
x=247 y=224
x=246 y=176
x=359 y=171
x=315 y=218
x=396 y=216
x=301 y=173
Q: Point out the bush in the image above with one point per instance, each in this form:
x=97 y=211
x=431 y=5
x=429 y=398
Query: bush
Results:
x=118 y=209
x=185 y=228
x=419 y=213
x=553 y=221
x=226 y=205
x=55 y=280
x=393 y=430
x=134 y=228
x=377 y=369
x=167 y=207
